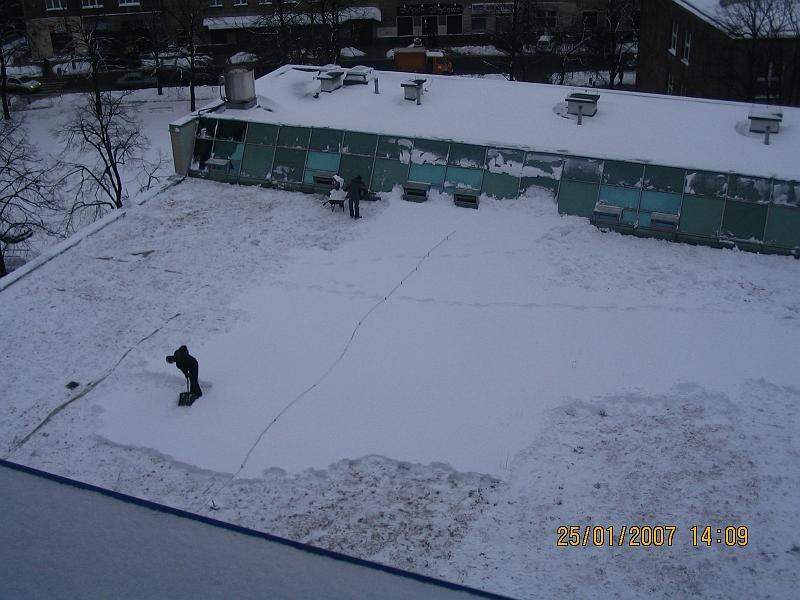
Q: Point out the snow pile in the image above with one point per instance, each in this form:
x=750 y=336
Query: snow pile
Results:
x=349 y=51
x=477 y=50
x=243 y=57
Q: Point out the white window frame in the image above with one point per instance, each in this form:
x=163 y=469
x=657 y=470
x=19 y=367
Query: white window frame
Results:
x=215 y=3
x=687 y=47
x=122 y=3
x=264 y=2
x=673 y=40
x=91 y=4
x=240 y=2
x=54 y=4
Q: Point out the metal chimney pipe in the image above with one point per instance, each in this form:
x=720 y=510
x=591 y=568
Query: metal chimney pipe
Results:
x=766 y=135
x=376 y=86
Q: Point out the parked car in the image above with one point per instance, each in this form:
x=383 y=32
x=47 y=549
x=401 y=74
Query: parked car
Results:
x=22 y=83
x=135 y=80
x=545 y=44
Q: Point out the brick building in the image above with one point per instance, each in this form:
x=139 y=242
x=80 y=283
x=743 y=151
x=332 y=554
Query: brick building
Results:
x=687 y=48
x=229 y=23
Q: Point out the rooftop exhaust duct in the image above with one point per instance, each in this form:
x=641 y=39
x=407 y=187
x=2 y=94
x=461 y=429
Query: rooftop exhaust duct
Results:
x=240 y=88
x=583 y=105
x=766 y=120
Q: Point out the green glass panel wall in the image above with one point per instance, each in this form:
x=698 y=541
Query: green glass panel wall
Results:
x=783 y=227
x=630 y=215
x=327 y=162
x=288 y=165
x=577 y=198
x=257 y=162
x=323 y=161
x=754 y=189
x=500 y=186
x=619 y=196
x=705 y=183
x=583 y=169
x=663 y=179
x=262 y=133
x=433 y=174
x=202 y=152
x=786 y=193
x=626 y=174
x=461 y=178
x=467 y=156
x=206 y=128
x=388 y=173
x=230 y=131
x=506 y=161
x=662 y=202
x=350 y=166
x=432 y=152
x=541 y=172
x=293 y=137
x=231 y=151
x=394 y=147
x=326 y=140
x=359 y=143
x=701 y=215
x=744 y=220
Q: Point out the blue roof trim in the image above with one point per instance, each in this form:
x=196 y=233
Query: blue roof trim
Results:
x=250 y=532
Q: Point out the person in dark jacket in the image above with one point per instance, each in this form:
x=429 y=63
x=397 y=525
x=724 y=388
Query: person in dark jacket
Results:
x=188 y=366
x=356 y=190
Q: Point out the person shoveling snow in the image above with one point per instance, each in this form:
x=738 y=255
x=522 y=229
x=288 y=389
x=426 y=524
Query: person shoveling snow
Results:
x=189 y=367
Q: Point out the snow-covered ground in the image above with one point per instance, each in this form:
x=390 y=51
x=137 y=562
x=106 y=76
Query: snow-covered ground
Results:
x=431 y=387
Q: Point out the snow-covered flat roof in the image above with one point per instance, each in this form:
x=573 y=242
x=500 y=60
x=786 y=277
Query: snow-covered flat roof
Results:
x=667 y=130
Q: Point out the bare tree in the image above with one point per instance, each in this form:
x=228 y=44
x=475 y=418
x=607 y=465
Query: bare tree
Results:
x=12 y=41
x=26 y=200
x=513 y=32
x=614 y=37
x=156 y=30
x=106 y=137
x=791 y=92
x=189 y=15
x=570 y=49
x=757 y=28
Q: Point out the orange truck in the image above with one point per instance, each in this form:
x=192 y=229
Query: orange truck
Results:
x=420 y=60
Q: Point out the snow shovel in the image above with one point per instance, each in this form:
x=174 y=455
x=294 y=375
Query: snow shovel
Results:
x=185 y=398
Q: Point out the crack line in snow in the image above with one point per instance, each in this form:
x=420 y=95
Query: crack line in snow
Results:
x=335 y=362
x=89 y=387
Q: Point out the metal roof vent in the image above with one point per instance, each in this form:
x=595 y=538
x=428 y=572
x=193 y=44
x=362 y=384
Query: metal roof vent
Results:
x=330 y=80
x=766 y=120
x=583 y=105
x=240 y=88
x=412 y=89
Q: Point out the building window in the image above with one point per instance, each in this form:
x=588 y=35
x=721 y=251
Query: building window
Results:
x=128 y=2
x=240 y=2
x=263 y=2
x=673 y=40
x=405 y=26
x=91 y=3
x=53 y=5
x=687 y=47
x=215 y=3
x=670 y=83
x=546 y=19
x=478 y=24
x=455 y=24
